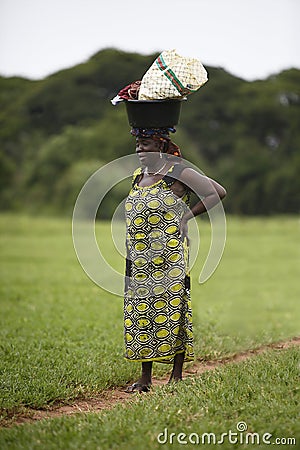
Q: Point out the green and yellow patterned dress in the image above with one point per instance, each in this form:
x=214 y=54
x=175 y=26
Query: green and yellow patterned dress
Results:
x=157 y=306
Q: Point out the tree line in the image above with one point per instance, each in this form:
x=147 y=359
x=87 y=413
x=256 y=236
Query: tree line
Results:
x=55 y=132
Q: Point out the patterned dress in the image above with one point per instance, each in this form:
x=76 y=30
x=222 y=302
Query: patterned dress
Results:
x=157 y=306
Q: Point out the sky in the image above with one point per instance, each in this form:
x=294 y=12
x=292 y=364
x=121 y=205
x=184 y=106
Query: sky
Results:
x=251 y=39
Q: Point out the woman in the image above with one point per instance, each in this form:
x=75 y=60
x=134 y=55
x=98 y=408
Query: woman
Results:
x=157 y=307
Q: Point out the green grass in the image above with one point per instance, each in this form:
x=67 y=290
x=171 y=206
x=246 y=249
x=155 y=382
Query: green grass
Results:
x=254 y=291
x=61 y=336
x=262 y=392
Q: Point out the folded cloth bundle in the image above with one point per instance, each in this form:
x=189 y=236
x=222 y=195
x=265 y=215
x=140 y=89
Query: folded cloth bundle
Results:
x=129 y=92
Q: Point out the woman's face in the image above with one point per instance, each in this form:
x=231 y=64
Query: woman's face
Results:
x=148 y=151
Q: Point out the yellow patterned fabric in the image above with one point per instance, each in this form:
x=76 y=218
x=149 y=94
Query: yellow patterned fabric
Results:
x=157 y=306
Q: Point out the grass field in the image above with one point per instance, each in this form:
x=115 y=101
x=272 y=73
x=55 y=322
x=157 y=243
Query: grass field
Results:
x=62 y=338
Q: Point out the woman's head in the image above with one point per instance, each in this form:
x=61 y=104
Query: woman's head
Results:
x=149 y=150
x=159 y=139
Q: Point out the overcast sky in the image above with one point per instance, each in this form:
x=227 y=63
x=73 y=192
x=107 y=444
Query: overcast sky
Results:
x=249 y=38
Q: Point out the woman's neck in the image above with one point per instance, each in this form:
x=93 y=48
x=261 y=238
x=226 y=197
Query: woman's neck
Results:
x=156 y=169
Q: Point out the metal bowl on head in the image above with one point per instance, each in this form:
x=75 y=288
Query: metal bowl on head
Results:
x=153 y=113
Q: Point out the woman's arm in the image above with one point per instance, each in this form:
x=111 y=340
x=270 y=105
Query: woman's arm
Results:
x=209 y=190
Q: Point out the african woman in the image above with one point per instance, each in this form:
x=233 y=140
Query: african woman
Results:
x=157 y=304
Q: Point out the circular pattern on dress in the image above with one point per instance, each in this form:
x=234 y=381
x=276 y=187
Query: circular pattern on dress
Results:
x=153 y=219
x=169 y=200
x=128 y=323
x=162 y=333
x=158 y=290
x=140 y=277
x=139 y=221
x=173 y=243
x=174 y=257
x=139 y=235
x=164 y=348
x=171 y=229
x=146 y=352
x=139 y=206
x=143 y=322
x=175 y=272
x=140 y=246
x=143 y=337
x=159 y=304
x=160 y=318
x=142 y=306
x=170 y=215
x=157 y=246
x=158 y=275
x=142 y=292
x=175 y=302
x=154 y=204
x=156 y=234
x=128 y=337
x=158 y=260
x=176 y=287
x=140 y=262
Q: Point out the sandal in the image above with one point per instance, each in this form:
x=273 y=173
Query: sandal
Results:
x=138 y=387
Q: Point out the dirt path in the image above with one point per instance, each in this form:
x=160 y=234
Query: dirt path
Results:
x=109 y=398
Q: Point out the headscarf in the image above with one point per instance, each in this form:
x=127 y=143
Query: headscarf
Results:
x=160 y=135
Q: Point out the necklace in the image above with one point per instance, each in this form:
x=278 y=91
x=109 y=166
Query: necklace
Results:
x=155 y=173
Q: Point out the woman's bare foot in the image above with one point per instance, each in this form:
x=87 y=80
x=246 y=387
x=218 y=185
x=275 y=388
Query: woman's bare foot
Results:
x=176 y=374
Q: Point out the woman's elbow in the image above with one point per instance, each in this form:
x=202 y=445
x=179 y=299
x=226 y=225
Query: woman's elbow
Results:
x=222 y=193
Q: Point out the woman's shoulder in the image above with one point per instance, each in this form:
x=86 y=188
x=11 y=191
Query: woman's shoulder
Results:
x=174 y=173
x=177 y=168
x=137 y=171
x=136 y=174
